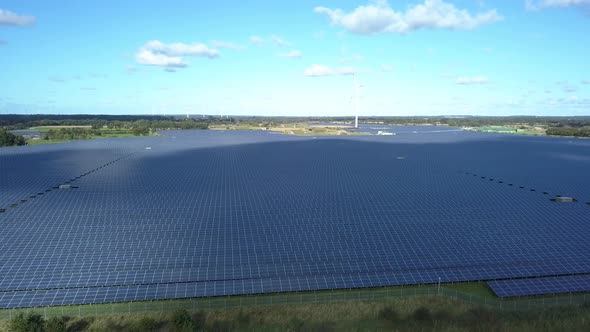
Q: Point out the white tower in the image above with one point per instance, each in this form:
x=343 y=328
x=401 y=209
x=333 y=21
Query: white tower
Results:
x=356 y=103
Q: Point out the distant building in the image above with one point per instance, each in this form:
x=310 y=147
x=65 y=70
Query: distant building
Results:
x=385 y=133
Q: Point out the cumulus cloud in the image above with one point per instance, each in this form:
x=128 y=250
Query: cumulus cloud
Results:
x=472 y=80
x=256 y=40
x=378 y=17
x=10 y=18
x=223 y=44
x=321 y=70
x=295 y=54
x=156 y=53
x=542 y=4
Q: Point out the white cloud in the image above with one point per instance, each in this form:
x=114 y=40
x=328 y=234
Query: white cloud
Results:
x=156 y=53
x=256 y=40
x=321 y=70
x=146 y=57
x=295 y=54
x=542 y=4
x=378 y=17
x=278 y=40
x=10 y=18
x=179 y=49
x=472 y=80
x=227 y=45
x=386 y=68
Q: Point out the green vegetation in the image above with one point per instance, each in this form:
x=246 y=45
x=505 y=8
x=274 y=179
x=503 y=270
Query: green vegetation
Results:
x=569 y=131
x=8 y=139
x=299 y=129
x=96 y=126
x=57 y=129
x=400 y=314
x=479 y=289
x=512 y=129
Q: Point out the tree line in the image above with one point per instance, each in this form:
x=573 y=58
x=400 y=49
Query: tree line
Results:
x=9 y=139
x=569 y=131
x=18 y=121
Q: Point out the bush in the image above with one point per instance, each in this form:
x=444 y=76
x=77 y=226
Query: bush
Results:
x=81 y=324
x=388 y=314
x=145 y=325
x=55 y=324
x=182 y=321
x=28 y=323
x=422 y=314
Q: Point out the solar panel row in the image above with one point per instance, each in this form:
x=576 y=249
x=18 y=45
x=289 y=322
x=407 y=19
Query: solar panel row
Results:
x=235 y=271
x=541 y=286
x=237 y=209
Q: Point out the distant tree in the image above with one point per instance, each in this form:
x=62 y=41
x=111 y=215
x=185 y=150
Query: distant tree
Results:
x=140 y=131
x=9 y=139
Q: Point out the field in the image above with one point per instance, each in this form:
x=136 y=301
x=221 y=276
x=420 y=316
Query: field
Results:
x=237 y=212
x=299 y=129
x=409 y=313
x=513 y=129
x=45 y=129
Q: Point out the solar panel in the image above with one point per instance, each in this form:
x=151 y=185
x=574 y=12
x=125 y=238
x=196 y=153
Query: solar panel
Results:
x=206 y=213
x=541 y=286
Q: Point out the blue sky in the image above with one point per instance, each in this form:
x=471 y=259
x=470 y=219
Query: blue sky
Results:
x=423 y=57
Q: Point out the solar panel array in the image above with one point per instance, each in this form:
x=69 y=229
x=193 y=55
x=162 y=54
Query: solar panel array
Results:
x=541 y=286
x=209 y=213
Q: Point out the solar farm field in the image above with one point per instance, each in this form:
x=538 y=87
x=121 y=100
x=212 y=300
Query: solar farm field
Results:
x=212 y=213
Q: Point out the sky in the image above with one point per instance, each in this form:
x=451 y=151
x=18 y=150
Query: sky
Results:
x=296 y=58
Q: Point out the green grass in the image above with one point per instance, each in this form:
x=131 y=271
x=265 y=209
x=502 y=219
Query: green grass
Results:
x=473 y=288
x=422 y=313
x=45 y=129
x=44 y=142
x=476 y=293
